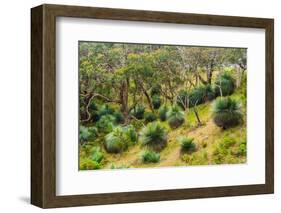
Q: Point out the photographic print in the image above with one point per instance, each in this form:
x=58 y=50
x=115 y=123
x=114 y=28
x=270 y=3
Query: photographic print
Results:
x=151 y=105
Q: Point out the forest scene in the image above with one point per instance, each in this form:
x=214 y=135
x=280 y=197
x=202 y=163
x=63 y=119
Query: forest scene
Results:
x=148 y=105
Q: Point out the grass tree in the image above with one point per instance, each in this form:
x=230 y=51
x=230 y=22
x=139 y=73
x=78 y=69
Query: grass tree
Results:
x=226 y=112
x=154 y=135
x=175 y=117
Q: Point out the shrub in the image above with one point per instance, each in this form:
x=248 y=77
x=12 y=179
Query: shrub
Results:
x=93 y=110
x=155 y=90
x=187 y=144
x=138 y=111
x=130 y=133
x=226 y=83
x=162 y=112
x=119 y=117
x=175 y=117
x=88 y=164
x=201 y=94
x=154 y=135
x=106 y=110
x=106 y=123
x=97 y=155
x=196 y=96
x=226 y=112
x=115 y=142
x=242 y=150
x=87 y=133
x=149 y=156
x=120 y=138
x=149 y=117
x=156 y=101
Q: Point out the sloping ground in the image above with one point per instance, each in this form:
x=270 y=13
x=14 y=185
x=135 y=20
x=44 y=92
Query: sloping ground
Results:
x=207 y=137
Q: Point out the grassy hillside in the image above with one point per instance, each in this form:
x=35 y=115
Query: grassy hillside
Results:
x=213 y=145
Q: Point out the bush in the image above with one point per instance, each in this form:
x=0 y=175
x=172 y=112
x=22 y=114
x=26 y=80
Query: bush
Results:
x=201 y=95
x=156 y=101
x=87 y=133
x=138 y=111
x=93 y=110
x=224 y=151
x=106 y=110
x=175 y=117
x=119 y=117
x=149 y=117
x=106 y=123
x=155 y=90
x=131 y=134
x=115 y=142
x=97 y=155
x=242 y=151
x=187 y=144
x=149 y=156
x=227 y=84
x=120 y=138
x=88 y=164
x=226 y=112
x=162 y=112
x=154 y=135
x=196 y=96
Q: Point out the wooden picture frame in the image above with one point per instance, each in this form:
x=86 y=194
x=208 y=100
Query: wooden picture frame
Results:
x=43 y=105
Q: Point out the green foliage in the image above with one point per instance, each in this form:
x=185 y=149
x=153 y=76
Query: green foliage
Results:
x=87 y=133
x=227 y=151
x=138 y=111
x=94 y=112
x=120 y=138
x=97 y=154
x=227 y=112
x=242 y=150
x=106 y=123
x=131 y=134
x=106 y=110
x=195 y=158
x=115 y=142
x=187 y=144
x=226 y=83
x=183 y=99
x=149 y=117
x=88 y=164
x=175 y=117
x=155 y=90
x=201 y=94
x=154 y=135
x=149 y=156
x=156 y=101
x=196 y=96
x=163 y=112
x=119 y=117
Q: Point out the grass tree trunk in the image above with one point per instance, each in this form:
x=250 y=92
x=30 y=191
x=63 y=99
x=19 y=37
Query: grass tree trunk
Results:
x=197 y=114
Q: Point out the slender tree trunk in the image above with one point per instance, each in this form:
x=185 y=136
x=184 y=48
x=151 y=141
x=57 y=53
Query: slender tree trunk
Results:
x=124 y=94
x=148 y=98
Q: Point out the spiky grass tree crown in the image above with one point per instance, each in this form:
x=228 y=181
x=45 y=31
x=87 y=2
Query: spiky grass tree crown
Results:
x=226 y=104
x=227 y=112
x=187 y=144
x=120 y=138
x=154 y=135
x=175 y=116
